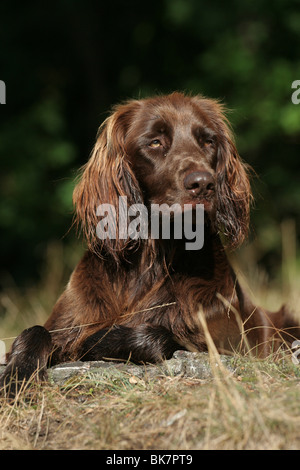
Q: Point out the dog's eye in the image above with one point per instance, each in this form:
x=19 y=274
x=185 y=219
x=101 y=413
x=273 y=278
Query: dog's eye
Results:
x=208 y=142
x=206 y=139
x=155 y=144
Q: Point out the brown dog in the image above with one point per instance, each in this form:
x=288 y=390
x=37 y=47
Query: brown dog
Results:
x=139 y=297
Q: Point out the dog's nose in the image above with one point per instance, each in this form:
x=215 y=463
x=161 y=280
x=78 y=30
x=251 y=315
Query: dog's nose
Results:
x=199 y=183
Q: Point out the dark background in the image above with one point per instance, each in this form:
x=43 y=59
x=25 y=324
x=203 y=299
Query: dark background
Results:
x=65 y=63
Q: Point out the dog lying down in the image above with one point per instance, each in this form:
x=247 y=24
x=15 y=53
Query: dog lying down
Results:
x=162 y=197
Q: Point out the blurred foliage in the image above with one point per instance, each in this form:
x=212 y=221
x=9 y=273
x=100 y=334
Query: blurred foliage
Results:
x=66 y=62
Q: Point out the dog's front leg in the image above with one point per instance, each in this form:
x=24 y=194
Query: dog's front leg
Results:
x=140 y=344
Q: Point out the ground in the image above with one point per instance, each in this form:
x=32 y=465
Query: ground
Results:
x=241 y=403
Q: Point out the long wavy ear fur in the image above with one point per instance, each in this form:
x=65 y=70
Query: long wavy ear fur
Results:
x=234 y=194
x=233 y=186
x=106 y=177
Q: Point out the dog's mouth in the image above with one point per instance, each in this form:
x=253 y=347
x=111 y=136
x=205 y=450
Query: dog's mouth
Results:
x=208 y=202
x=186 y=203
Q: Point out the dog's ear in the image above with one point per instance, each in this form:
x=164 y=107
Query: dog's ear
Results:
x=104 y=179
x=233 y=191
x=233 y=186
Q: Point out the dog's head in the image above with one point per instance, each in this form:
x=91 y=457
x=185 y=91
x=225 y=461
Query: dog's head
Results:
x=165 y=150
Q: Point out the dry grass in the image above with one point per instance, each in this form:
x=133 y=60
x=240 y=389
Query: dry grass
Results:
x=256 y=407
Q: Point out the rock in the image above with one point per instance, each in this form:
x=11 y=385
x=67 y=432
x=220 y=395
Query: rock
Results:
x=186 y=364
x=183 y=363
